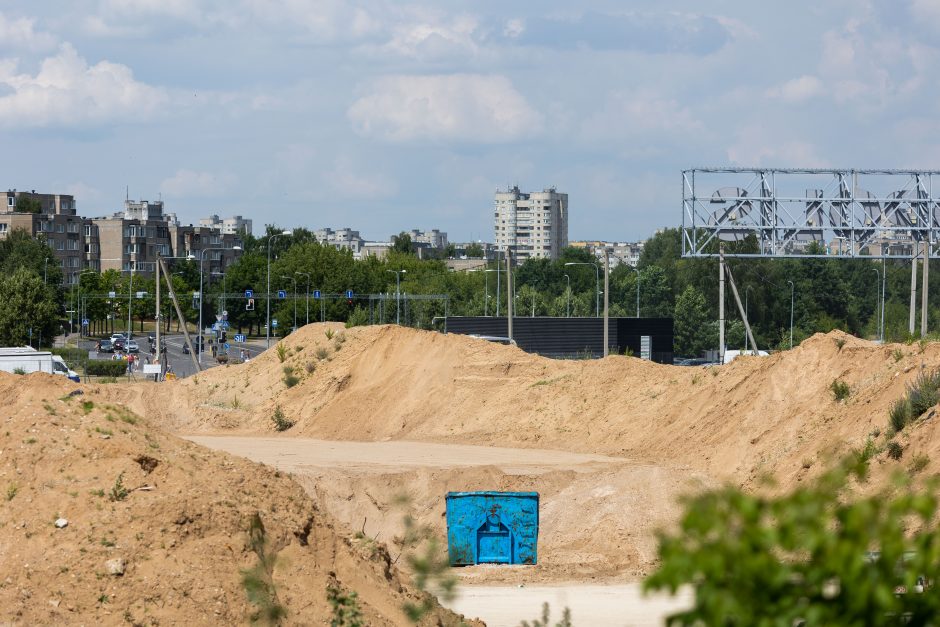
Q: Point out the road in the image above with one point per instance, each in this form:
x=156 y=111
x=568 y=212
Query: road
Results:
x=591 y=604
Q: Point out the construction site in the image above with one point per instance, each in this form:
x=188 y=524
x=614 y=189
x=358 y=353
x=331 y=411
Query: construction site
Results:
x=134 y=502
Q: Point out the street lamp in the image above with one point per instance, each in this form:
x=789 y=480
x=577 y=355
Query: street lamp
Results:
x=398 y=274
x=267 y=330
x=747 y=317
x=290 y=278
x=635 y=269
x=487 y=291
x=791 y=313
x=202 y=258
x=568 y=292
x=222 y=301
x=880 y=323
x=306 y=295
x=597 y=281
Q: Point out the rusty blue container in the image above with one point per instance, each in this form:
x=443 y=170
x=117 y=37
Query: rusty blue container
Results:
x=492 y=527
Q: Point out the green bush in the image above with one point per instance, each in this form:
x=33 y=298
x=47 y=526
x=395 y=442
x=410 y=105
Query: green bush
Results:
x=290 y=380
x=895 y=450
x=900 y=414
x=281 y=422
x=840 y=390
x=74 y=357
x=924 y=393
x=105 y=368
x=358 y=318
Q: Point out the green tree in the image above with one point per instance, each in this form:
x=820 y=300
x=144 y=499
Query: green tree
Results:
x=25 y=204
x=803 y=557
x=692 y=324
x=28 y=309
x=401 y=243
x=474 y=251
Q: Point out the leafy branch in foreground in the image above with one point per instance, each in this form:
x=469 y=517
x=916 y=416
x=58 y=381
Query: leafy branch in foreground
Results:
x=544 y=621
x=258 y=581
x=815 y=556
x=345 y=606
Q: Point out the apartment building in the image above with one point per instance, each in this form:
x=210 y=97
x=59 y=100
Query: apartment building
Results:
x=51 y=216
x=236 y=225
x=341 y=239
x=432 y=239
x=620 y=252
x=532 y=225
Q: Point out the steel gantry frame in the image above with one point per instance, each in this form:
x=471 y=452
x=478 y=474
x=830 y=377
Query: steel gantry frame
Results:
x=849 y=213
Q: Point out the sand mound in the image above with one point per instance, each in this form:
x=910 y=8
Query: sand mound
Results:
x=756 y=415
x=156 y=530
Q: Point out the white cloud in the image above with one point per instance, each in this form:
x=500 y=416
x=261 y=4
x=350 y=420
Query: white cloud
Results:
x=67 y=91
x=20 y=34
x=191 y=183
x=927 y=12
x=467 y=107
x=796 y=90
x=635 y=113
x=346 y=181
x=756 y=145
x=435 y=39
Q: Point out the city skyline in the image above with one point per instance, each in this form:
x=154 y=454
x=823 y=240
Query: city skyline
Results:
x=397 y=116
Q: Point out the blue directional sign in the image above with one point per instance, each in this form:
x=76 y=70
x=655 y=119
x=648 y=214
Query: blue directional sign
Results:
x=316 y=293
x=226 y=346
x=249 y=293
x=282 y=293
x=239 y=338
x=274 y=322
x=84 y=322
x=225 y=324
x=349 y=293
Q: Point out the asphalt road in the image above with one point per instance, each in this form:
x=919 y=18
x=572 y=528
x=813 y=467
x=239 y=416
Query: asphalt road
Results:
x=181 y=363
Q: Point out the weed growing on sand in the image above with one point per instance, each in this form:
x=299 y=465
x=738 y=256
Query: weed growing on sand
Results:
x=840 y=342
x=544 y=620
x=322 y=353
x=12 y=489
x=900 y=414
x=310 y=367
x=281 y=422
x=345 y=606
x=19 y=371
x=290 y=380
x=840 y=390
x=299 y=348
x=281 y=351
x=864 y=454
x=895 y=449
x=258 y=581
x=288 y=370
x=922 y=344
x=898 y=355
x=431 y=567
x=329 y=333
x=340 y=337
x=924 y=393
x=118 y=491
x=337 y=346
x=919 y=463
x=235 y=404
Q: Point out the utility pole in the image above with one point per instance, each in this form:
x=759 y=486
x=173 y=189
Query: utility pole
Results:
x=916 y=255
x=157 y=320
x=721 y=304
x=606 y=300
x=508 y=293
x=924 y=291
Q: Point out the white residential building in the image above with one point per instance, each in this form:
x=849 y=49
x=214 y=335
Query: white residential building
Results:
x=533 y=225
x=227 y=226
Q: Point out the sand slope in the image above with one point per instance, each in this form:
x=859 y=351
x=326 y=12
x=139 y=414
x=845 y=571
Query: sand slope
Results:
x=183 y=537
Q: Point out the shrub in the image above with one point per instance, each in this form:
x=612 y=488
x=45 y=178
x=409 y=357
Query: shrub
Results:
x=919 y=463
x=322 y=353
x=118 y=491
x=281 y=351
x=840 y=390
x=345 y=606
x=105 y=368
x=290 y=380
x=358 y=318
x=840 y=342
x=900 y=414
x=895 y=450
x=924 y=393
x=864 y=454
x=19 y=371
x=898 y=355
x=329 y=334
x=310 y=367
x=281 y=422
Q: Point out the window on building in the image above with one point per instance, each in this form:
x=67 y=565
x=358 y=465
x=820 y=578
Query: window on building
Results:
x=73 y=244
x=3 y=229
x=11 y=201
x=59 y=245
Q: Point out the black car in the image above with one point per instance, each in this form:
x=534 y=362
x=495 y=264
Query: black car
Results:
x=118 y=344
x=105 y=346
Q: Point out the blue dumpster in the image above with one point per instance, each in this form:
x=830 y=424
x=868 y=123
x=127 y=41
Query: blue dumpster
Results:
x=492 y=527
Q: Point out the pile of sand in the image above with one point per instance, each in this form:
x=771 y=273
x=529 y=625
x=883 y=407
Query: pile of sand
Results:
x=757 y=415
x=156 y=526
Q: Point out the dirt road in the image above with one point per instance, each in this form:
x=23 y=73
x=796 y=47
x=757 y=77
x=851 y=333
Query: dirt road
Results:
x=600 y=606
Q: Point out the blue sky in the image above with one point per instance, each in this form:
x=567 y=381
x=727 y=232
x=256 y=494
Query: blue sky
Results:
x=385 y=116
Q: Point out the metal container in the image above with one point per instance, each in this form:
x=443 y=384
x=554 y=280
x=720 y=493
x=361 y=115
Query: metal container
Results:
x=492 y=527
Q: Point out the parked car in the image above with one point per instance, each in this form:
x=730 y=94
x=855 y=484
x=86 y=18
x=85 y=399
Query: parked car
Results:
x=132 y=346
x=105 y=346
x=117 y=336
x=119 y=344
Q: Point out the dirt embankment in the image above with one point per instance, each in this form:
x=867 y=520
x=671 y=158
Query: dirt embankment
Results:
x=156 y=529
x=757 y=415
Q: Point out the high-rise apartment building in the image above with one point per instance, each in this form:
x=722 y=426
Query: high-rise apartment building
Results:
x=532 y=225
x=53 y=216
x=236 y=225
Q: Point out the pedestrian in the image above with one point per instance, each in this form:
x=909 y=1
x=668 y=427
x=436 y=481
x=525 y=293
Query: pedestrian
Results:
x=130 y=362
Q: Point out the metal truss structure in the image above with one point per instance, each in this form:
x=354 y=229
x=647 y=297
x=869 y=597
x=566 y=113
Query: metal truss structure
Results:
x=810 y=212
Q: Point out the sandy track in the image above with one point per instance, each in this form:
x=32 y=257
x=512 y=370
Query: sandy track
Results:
x=600 y=606
x=303 y=454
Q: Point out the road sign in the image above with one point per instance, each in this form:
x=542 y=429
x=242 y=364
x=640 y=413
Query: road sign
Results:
x=250 y=305
x=316 y=293
x=249 y=293
x=274 y=323
x=141 y=294
x=112 y=294
x=225 y=315
x=239 y=338
x=152 y=368
x=282 y=293
x=349 y=293
x=85 y=322
x=226 y=346
x=225 y=324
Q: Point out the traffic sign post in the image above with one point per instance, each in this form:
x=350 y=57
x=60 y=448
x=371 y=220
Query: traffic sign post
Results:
x=349 y=293
x=316 y=294
x=273 y=323
x=249 y=293
x=282 y=294
x=239 y=338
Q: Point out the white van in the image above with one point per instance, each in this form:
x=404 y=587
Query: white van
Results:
x=731 y=355
x=26 y=359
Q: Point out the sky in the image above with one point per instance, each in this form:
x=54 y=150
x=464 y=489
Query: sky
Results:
x=384 y=116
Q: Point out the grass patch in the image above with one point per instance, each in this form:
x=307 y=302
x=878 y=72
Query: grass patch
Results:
x=924 y=392
x=918 y=463
x=840 y=342
x=19 y=371
x=310 y=367
x=895 y=449
x=900 y=414
x=898 y=355
x=258 y=581
x=864 y=454
x=329 y=333
x=290 y=380
x=118 y=491
x=12 y=489
x=281 y=421
x=281 y=351
x=840 y=390
x=322 y=353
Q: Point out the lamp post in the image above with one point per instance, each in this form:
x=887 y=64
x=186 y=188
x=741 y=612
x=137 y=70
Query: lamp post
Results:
x=267 y=330
x=791 y=313
x=398 y=274
x=290 y=278
x=485 y=272
x=306 y=295
x=747 y=317
x=202 y=258
x=222 y=300
x=568 y=300
x=77 y=300
x=597 y=281
x=877 y=303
